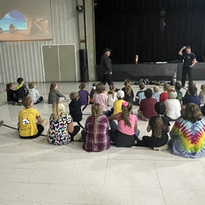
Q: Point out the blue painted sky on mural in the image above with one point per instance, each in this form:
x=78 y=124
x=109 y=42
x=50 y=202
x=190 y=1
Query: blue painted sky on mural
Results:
x=13 y=17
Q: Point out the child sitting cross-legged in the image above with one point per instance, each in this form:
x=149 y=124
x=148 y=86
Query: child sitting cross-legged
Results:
x=160 y=126
x=84 y=95
x=54 y=95
x=125 y=133
x=101 y=98
x=112 y=95
x=10 y=93
x=146 y=109
x=95 y=135
x=75 y=108
x=117 y=105
x=164 y=96
x=92 y=92
x=179 y=93
x=156 y=94
x=129 y=94
x=20 y=92
x=202 y=94
x=61 y=130
x=27 y=126
x=140 y=94
x=34 y=94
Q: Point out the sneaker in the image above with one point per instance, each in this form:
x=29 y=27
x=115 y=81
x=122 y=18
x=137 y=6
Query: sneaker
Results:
x=162 y=148
x=1 y=123
x=75 y=132
x=19 y=102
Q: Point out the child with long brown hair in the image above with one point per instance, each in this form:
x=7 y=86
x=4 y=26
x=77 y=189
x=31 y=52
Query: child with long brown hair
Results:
x=112 y=95
x=95 y=135
x=92 y=92
x=125 y=133
x=129 y=94
x=10 y=89
x=187 y=134
x=160 y=126
x=54 y=95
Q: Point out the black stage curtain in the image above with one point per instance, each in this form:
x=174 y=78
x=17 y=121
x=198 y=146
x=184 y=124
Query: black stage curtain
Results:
x=136 y=27
x=146 y=4
x=185 y=27
x=128 y=33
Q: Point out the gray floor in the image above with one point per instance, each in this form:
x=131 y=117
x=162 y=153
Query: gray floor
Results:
x=33 y=172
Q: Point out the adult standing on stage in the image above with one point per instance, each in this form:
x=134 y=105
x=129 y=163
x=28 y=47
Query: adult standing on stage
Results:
x=106 y=68
x=189 y=62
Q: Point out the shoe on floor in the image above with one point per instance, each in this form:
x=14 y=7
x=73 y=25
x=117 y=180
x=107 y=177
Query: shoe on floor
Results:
x=1 y=123
x=75 y=132
x=162 y=148
x=19 y=102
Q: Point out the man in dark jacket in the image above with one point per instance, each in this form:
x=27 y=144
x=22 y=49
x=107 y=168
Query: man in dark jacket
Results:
x=106 y=68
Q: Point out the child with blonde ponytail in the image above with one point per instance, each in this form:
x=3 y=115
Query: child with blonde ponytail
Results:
x=125 y=133
x=160 y=126
x=95 y=135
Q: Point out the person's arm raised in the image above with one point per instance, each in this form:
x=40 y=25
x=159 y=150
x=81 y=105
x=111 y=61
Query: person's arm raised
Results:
x=180 y=51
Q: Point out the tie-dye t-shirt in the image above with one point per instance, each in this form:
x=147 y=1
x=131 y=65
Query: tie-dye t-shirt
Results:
x=188 y=139
x=57 y=132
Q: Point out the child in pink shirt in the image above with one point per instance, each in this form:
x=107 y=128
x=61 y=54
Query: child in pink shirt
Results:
x=125 y=133
x=101 y=98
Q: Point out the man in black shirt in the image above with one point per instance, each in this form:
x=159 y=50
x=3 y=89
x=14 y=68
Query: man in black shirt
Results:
x=106 y=68
x=189 y=62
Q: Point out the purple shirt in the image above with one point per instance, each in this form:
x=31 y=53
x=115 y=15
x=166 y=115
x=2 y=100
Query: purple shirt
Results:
x=83 y=97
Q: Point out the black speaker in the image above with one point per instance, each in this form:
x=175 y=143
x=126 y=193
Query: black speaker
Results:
x=84 y=77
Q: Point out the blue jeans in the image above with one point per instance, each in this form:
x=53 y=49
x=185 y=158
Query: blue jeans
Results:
x=107 y=113
x=113 y=126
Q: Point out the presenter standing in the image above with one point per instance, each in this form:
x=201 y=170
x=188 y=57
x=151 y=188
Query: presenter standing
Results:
x=106 y=68
x=189 y=62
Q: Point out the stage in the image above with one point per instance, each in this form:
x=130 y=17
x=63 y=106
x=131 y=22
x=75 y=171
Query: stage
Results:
x=153 y=71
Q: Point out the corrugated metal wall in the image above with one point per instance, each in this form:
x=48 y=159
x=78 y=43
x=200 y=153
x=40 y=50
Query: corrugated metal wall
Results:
x=24 y=59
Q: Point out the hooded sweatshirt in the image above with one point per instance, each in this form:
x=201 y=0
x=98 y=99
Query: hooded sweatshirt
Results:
x=33 y=93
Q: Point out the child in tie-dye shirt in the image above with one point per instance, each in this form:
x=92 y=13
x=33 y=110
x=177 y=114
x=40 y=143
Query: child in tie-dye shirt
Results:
x=188 y=134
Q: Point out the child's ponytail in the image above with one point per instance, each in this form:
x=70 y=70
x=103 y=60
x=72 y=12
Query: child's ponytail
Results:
x=160 y=109
x=96 y=110
x=112 y=91
x=128 y=88
x=158 y=127
x=126 y=108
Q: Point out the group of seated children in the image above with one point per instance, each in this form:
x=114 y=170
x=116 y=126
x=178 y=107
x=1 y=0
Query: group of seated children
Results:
x=156 y=108
x=16 y=95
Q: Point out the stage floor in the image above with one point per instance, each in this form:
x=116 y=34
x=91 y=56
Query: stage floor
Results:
x=34 y=172
x=153 y=71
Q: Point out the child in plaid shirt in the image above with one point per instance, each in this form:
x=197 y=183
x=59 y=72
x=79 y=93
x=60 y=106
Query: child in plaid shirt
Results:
x=95 y=135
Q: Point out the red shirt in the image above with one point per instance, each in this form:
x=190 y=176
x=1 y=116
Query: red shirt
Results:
x=147 y=107
x=163 y=97
x=102 y=137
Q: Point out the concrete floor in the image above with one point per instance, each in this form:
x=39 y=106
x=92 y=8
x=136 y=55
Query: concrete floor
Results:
x=33 y=172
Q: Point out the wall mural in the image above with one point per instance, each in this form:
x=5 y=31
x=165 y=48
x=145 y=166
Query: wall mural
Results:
x=25 y=20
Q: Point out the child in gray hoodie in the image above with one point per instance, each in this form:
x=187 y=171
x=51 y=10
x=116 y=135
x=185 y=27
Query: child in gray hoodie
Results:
x=33 y=93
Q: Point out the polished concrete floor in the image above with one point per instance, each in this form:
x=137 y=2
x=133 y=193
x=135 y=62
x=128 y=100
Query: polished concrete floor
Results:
x=33 y=172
